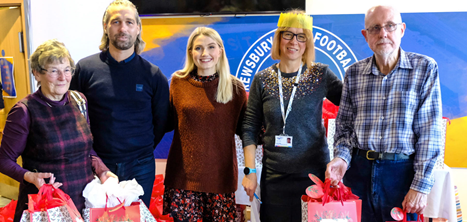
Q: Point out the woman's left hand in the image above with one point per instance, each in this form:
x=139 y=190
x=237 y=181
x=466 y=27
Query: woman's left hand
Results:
x=38 y=179
x=106 y=175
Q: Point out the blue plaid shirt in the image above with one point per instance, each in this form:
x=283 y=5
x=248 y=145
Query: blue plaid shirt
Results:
x=395 y=113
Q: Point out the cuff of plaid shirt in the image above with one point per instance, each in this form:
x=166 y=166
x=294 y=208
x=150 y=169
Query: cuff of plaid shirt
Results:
x=422 y=184
x=344 y=153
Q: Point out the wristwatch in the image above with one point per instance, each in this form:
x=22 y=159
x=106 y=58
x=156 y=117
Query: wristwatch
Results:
x=248 y=170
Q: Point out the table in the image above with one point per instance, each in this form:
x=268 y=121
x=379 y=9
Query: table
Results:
x=441 y=202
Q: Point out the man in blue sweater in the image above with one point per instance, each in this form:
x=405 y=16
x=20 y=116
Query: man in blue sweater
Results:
x=128 y=98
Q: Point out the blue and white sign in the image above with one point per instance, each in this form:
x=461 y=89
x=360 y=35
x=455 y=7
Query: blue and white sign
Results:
x=338 y=43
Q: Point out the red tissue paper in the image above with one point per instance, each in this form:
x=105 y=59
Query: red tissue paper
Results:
x=329 y=112
x=7 y=213
x=155 y=207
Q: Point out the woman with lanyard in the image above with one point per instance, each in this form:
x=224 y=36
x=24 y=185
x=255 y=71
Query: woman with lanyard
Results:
x=288 y=98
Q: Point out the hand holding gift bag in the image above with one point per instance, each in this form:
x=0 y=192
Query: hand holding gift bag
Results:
x=324 y=202
x=50 y=204
x=400 y=215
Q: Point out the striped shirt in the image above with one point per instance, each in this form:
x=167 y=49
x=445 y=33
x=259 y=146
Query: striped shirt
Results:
x=395 y=113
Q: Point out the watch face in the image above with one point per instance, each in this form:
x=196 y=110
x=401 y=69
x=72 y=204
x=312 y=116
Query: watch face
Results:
x=246 y=171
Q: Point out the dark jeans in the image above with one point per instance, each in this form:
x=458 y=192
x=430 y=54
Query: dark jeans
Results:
x=381 y=184
x=281 y=195
x=143 y=170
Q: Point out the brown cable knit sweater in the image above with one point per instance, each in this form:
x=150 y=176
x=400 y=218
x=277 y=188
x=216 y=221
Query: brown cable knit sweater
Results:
x=202 y=156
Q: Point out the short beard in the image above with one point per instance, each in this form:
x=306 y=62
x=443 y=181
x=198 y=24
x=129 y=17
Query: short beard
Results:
x=122 y=45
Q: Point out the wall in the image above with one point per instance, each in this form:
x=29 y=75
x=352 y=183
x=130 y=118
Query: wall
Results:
x=78 y=25
x=75 y=23
x=317 y=7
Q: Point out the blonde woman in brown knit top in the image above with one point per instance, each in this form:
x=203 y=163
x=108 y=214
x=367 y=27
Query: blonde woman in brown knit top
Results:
x=207 y=106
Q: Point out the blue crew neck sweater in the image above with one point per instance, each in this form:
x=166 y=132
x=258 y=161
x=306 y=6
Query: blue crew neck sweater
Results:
x=128 y=105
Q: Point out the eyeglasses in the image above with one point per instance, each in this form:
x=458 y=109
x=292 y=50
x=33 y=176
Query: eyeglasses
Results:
x=301 y=37
x=390 y=27
x=54 y=73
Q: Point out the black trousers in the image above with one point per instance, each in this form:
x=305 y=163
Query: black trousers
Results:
x=281 y=195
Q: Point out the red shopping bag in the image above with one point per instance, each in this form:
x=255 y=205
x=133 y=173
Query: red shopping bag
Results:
x=50 y=204
x=329 y=112
x=7 y=213
x=155 y=207
x=399 y=215
x=117 y=213
x=349 y=210
x=325 y=202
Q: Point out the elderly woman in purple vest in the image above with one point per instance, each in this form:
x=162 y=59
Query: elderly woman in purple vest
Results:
x=50 y=130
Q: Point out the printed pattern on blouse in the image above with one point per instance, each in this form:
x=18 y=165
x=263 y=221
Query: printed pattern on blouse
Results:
x=187 y=205
x=204 y=78
x=310 y=80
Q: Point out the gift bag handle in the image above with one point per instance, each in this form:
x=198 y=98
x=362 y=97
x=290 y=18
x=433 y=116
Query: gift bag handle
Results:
x=116 y=207
x=49 y=197
x=60 y=194
x=419 y=217
x=44 y=196
x=330 y=192
x=45 y=192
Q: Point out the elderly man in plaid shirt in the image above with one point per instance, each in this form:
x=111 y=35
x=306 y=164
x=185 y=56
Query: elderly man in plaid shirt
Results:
x=388 y=133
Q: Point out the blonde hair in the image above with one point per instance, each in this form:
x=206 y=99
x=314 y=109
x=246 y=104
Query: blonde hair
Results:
x=226 y=80
x=139 y=43
x=309 y=54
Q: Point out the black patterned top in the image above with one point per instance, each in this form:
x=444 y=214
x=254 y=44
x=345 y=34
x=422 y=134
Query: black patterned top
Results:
x=309 y=152
x=204 y=78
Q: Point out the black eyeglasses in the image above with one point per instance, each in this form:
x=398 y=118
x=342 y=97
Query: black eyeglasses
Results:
x=390 y=27
x=287 y=35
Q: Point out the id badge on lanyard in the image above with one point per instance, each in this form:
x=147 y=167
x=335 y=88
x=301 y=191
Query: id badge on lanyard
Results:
x=284 y=140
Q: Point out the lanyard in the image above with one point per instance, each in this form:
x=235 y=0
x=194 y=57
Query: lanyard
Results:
x=289 y=107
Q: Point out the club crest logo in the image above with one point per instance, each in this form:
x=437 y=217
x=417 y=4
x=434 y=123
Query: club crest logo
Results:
x=329 y=49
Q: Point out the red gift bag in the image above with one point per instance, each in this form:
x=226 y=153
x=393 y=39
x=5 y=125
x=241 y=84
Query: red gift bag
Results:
x=117 y=213
x=350 y=210
x=329 y=112
x=326 y=202
x=155 y=207
x=7 y=213
x=50 y=204
x=398 y=211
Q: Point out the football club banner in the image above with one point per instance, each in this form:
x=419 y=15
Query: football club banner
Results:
x=338 y=42
x=8 y=81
